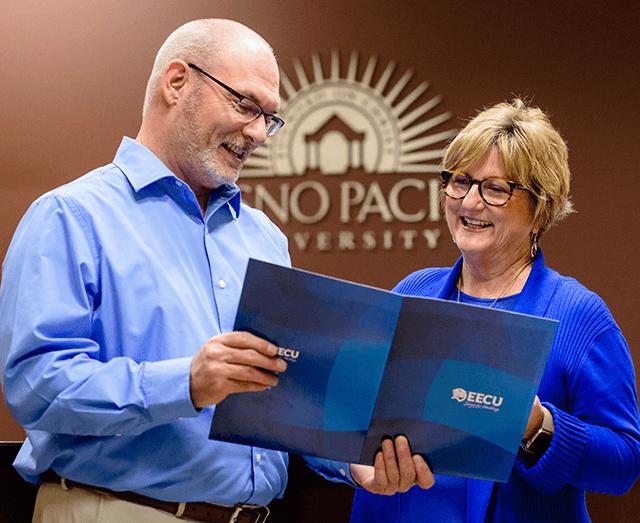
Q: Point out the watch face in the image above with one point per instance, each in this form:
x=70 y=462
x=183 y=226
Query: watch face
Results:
x=538 y=443
x=541 y=442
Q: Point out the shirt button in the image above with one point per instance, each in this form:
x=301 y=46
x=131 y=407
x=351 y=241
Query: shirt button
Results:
x=258 y=458
x=221 y=283
x=118 y=435
x=178 y=183
x=342 y=472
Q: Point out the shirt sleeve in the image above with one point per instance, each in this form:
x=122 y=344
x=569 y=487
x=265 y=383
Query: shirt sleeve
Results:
x=336 y=471
x=596 y=446
x=54 y=379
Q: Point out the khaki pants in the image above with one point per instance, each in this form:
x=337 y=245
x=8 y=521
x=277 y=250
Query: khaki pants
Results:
x=78 y=505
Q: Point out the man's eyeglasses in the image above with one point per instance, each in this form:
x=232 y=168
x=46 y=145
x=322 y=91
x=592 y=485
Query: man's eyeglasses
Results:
x=493 y=191
x=246 y=107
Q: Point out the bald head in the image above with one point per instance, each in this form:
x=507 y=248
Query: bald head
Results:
x=204 y=42
x=191 y=121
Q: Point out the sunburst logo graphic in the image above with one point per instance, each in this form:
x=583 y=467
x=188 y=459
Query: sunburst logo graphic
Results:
x=335 y=124
x=354 y=168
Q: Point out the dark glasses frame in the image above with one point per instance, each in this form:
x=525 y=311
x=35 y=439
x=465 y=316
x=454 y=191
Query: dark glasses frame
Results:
x=274 y=122
x=447 y=175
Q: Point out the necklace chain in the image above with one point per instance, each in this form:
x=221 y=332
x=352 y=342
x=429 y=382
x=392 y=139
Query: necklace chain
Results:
x=503 y=292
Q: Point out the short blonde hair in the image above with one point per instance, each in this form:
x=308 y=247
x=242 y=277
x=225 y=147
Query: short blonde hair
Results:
x=532 y=152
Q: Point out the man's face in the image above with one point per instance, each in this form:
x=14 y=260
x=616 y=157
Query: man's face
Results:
x=214 y=137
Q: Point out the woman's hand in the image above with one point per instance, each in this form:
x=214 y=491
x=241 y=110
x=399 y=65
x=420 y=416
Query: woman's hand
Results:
x=394 y=470
x=536 y=416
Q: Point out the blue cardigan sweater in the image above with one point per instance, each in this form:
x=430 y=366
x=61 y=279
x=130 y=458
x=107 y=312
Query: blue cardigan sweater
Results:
x=589 y=387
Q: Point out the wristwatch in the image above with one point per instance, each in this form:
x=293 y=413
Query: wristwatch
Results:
x=537 y=444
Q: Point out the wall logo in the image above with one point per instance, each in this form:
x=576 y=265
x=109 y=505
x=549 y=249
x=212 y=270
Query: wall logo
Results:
x=477 y=400
x=356 y=165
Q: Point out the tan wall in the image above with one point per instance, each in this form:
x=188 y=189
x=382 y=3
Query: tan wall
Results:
x=73 y=76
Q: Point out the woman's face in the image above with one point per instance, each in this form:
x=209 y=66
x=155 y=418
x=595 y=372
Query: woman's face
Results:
x=487 y=232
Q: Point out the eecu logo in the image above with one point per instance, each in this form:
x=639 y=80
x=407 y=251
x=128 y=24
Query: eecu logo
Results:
x=477 y=400
x=356 y=166
x=288 y=354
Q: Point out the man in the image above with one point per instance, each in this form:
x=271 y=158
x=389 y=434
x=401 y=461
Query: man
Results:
x=118 y=299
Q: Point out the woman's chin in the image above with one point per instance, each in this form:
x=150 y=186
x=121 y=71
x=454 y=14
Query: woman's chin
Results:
x=473 y=248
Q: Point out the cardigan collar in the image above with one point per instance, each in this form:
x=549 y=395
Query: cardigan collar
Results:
x=535 y=296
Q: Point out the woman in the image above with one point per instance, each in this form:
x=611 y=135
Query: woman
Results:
x=506 y=181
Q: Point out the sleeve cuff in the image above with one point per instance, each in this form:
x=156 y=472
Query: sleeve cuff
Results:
x=558 y=464
x=165 y=385
x=346 y=477
x=336 y=471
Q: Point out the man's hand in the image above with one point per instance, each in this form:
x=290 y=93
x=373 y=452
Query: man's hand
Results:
x=395 y=470
x=230 y=363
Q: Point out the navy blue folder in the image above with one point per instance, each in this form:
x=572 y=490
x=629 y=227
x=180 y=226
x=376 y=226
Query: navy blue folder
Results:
x=458 y=380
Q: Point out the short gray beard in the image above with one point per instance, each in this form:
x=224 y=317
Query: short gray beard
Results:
x=200 y=165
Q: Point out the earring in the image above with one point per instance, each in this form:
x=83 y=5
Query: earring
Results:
x=534 y=245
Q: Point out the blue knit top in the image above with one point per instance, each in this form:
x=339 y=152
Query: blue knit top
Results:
x=589 y=387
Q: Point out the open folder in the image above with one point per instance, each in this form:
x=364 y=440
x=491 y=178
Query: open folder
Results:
x=363 y=363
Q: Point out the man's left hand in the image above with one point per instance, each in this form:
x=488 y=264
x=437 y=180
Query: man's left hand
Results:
x=394 y=470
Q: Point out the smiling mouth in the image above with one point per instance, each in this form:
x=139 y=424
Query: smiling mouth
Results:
x=240 y=153
x=475 y=224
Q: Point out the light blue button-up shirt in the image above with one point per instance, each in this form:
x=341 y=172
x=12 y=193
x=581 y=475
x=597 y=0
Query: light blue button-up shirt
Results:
x=110 y=285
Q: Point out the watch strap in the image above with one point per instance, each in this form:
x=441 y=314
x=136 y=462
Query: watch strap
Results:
x=537 y=444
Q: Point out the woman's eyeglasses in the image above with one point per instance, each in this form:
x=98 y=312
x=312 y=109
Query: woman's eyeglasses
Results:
x=493 y=191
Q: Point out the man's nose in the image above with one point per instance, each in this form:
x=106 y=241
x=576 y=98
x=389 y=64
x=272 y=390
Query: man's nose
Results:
x=256 y=130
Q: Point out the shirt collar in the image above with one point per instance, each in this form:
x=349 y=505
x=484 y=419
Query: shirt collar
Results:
x=229 y=194
x=142 y=168
x=139 y=164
